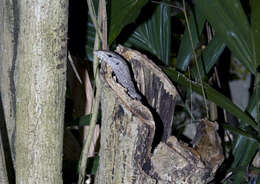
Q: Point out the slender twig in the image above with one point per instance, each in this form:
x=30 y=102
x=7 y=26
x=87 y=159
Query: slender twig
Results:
x=93 y=18
x=195 y=57
x=213 y=106
x=74 y=68
x=104 y=24
x=190 y=93
x=85 y=151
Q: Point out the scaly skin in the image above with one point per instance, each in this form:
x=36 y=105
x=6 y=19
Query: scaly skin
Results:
x=120 y=69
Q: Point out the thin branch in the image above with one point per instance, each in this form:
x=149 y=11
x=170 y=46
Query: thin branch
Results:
x=104 y=24
x=93 y=18
x=74 y=68
x=196 y=61
x=86 y=147
x=85 y=150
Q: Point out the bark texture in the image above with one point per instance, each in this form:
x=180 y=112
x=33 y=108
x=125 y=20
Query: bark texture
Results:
x=159 y=92
x=128 y=129
x=41 y=85
x=128 y=125
x=8 y=53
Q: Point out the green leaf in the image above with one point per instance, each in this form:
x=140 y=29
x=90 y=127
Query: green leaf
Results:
x=209 y=56
x=243 y=152
x=196 y=24
x=154 y=35
x=240 y=132
x=254 y=101
x=211 y=94
x=81 y=121
x=72 y=165
x=91 y=33
x=93 y=165
x=255 y=17
x=231 y=26
x=245 y=149
x=253 y=106
x=122 y=13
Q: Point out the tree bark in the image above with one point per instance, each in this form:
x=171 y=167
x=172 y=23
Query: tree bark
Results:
x=41 y=85
x=128 y=126
x=128 y=130
x=127 y=133
x=8 y=53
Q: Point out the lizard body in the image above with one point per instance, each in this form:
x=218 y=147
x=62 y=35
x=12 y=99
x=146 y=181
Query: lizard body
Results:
x=120 y=69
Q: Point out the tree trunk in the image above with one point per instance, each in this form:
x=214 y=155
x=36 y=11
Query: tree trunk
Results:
x=41 y=85
x=128 y=126
x=8 y=53
x=128 y=129
x=8 y=46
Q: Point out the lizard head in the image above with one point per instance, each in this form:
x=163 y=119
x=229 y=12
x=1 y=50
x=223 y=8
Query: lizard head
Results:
x=109 y=57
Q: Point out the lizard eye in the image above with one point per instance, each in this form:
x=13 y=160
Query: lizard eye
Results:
x=109 y=55
x=117 y=63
